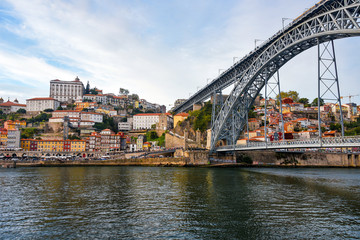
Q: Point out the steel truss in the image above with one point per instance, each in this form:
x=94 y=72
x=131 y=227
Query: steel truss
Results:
x=328 y=21
x=328 y=81
x=273 y=84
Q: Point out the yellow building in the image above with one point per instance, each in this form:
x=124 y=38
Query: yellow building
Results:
x=3 y=137
x=180 y=117
x=137 y=104
x=13 y=125
x=78 y=145
x=50 y=145
x=81 y=105
x=25 y=144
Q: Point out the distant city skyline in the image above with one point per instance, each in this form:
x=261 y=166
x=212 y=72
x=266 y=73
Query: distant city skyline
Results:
x=161 y=50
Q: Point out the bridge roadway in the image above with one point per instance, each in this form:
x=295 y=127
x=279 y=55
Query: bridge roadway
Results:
x=337 y=142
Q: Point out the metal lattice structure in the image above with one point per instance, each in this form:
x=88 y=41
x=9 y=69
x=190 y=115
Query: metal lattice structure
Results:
x=327 y=20
x=328 y=80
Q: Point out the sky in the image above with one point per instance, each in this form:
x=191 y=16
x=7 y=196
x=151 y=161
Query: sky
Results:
x=161 y=50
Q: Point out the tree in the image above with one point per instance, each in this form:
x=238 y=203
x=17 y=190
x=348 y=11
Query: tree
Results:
x=1 y=112
x=294 y=95
x=29 y=132
x=315 y=102
x=70 y=106
x=304 y=101
x=135 y=97
x=21 y=111
x=123 y=91
x=87 y=89
x=93 y=91
x=48 y=110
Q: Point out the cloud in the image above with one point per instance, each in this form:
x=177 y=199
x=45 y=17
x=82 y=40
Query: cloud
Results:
x=161 y=50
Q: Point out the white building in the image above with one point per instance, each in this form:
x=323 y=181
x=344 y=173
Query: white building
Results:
x=124 y=126
x=63 y=113
x=10 y=107
x=64 y=91
x=99 y=98
x=91 y=116
x=13 y=139
x=145 y=120
x=77 y=118
x=40 y=104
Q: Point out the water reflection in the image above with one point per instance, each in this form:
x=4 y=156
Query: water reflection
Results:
x=180 y=203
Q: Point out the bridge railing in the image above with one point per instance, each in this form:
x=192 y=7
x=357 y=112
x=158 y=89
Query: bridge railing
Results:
x=312 y=142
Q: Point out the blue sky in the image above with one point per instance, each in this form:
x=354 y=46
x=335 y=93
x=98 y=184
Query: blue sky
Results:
x=162 y=50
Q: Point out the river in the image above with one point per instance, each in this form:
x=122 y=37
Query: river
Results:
x=179 y=203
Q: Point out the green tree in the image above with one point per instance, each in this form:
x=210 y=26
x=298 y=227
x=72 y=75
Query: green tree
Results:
x=304 y=101
x=108 y=123
x=29 y=132
x=59 y=108
x=48 y=110
x=70 y=106
x=151 y=136
x=123 y=91
x=315 y=102
x=135 y=97
x=201 y=119
x=21 y=111
x=93 y=91
x=294 y=95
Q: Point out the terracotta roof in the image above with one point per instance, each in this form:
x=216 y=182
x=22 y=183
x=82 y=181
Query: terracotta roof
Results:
x=182 y=114
x=151 y=114
x=66 y=111
x=9 y=104
x=44 y=98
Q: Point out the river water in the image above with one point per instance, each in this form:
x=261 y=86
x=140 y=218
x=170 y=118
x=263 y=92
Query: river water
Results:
x=179 y=203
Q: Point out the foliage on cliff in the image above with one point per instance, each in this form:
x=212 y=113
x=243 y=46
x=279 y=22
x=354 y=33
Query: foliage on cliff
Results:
x=152 y=136
x=201 y=119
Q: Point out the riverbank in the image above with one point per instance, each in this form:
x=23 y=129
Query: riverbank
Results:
x=240 y=159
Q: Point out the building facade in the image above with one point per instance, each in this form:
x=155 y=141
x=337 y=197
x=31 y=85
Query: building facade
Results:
x=147 y=120
x=65 y=91
x=40 y=104
x=11 y=107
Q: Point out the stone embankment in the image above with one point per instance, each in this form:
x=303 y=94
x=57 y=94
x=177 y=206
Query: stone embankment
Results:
x=300 y=159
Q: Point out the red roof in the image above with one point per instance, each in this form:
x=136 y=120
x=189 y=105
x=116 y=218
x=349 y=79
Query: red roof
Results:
x=66 y=111
x=182 y=114
x=151 y=114
x=45 y=98
x=9 y=104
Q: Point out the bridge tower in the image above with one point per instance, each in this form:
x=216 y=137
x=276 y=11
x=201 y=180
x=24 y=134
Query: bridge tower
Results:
x=328 y=81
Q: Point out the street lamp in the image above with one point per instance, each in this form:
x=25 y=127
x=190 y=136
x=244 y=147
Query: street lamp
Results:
x=258 y=40
x=283 y=20
x=234 y=58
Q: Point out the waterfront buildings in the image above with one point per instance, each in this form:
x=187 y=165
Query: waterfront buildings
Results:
x=53 y=145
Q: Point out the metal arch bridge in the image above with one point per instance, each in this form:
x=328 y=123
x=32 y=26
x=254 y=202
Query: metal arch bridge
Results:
x=326 y=21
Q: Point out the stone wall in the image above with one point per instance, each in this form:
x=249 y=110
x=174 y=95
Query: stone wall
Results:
x=309 y=159
x=173 y=141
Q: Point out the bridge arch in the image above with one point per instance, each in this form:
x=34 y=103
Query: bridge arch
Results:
x=331 y=20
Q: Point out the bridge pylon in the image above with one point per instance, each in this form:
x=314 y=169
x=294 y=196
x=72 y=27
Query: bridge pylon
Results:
x=328 y=82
